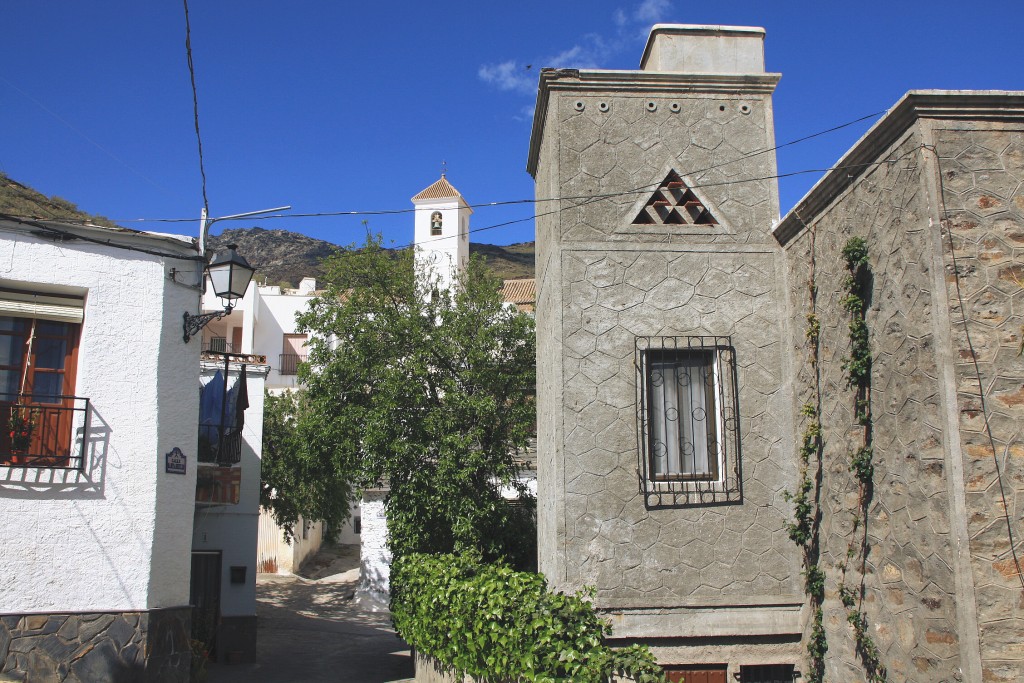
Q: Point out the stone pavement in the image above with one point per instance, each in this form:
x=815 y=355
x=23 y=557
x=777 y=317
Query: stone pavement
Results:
x=311 y=630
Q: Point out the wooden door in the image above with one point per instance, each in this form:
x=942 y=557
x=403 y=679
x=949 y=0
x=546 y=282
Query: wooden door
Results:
x=204 y=594
x=236 y=340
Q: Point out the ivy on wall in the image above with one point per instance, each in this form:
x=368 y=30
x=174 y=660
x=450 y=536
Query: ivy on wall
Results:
x=857 y=367
x=496 y=624
x=804 y=529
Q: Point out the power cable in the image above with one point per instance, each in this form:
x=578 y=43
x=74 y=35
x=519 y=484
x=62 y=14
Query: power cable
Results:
x=66 y=234
x=195 y=104
x=512 y=202
x=977 y=368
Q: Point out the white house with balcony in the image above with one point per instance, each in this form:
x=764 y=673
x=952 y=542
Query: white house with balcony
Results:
x=98 y=408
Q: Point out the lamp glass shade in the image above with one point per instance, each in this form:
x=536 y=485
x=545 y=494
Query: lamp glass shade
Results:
x=230 y=274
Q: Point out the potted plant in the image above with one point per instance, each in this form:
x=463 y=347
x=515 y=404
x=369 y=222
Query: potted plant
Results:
x=21 y=424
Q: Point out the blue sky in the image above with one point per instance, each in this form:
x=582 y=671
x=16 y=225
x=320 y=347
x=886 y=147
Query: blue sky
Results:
x=344 y=106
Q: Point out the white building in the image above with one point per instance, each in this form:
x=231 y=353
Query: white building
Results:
x=441 y=231
x=263 y=326
x=97 y=488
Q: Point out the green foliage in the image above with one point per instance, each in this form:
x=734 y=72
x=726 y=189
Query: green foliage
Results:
x=296 y=480
x=427 y=393
x=861 y=464
x=817 y=647
x=855 y=253
x=813 y=331
x=800 y=529
x=847 y=596
x=497 y=624
x=814 y=582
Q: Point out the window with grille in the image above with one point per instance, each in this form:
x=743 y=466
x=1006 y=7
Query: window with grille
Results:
x=688 y=430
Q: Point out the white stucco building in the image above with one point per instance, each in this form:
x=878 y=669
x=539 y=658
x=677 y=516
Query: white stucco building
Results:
x=441 y=231
x=97 y=451
x=263 y=326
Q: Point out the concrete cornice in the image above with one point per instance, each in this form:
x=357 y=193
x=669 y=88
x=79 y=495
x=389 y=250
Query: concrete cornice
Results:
x=951 y=105
x=593 y=81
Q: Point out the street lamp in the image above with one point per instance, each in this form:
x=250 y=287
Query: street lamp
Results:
x=230 y=275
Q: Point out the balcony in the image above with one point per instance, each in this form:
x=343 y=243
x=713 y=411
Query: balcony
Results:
x=40 y=431
x=289 y=363
x=220 y=445
x=219 y=345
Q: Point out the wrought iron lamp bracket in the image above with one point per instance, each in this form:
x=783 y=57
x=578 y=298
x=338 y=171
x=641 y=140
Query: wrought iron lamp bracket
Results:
x=194 y=323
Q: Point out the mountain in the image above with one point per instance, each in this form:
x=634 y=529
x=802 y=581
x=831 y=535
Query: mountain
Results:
x=285 y=257
x=21 y=200
x=280 y=256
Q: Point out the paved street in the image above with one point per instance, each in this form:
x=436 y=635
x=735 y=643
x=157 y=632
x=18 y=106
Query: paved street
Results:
x=312 y=631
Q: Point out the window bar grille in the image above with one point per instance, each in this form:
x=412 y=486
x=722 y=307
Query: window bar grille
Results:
x=717 y=479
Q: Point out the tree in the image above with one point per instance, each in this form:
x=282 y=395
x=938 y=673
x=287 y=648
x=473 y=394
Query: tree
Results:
x=296 y=480
x=427 y=392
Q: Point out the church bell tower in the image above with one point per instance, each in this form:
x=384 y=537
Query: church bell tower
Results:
x=441 y=232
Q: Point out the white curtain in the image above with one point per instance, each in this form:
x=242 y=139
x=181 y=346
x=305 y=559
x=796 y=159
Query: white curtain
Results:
x=681 y=413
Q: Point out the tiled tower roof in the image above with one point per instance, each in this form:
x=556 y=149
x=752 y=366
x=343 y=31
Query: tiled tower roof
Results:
x=442 y=189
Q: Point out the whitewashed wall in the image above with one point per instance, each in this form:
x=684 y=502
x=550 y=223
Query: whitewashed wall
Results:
x=448 y=253
x=276 y=318
x=117 y=535
x=233 y=529
x=275 y=555
x=374 y=556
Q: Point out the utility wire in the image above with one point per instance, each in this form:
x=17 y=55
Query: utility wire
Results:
x=70 y=236
x=512 y=202
x=195 y=104
x=977 y=368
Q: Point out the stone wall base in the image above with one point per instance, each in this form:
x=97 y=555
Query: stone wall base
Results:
x=734 y=652
x=236 y=640
x=115 y=647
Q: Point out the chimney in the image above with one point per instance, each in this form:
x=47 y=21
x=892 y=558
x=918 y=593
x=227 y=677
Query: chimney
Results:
x=690 y=48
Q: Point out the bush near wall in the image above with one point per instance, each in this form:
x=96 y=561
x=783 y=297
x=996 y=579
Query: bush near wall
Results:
x=497 y=624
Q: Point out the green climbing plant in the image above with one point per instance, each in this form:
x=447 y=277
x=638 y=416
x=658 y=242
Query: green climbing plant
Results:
x=803 y=530
x=857 y=366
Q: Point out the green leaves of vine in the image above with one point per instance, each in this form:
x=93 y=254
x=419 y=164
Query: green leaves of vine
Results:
x=857 y=367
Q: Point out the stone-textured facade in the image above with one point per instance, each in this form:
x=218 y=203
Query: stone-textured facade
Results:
x=128 y=647
x=699 y=579
x=935 y=189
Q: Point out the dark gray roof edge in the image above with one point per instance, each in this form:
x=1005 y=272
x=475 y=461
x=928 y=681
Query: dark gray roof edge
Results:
x=155 y=239
x=978 y=105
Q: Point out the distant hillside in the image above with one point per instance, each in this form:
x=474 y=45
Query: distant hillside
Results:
x=285 y=257
x=20 y=200
x=280 y=256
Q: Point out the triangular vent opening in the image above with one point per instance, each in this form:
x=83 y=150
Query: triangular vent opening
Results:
x=673 y=203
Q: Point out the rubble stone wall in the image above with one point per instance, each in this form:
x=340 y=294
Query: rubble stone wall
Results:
x=981 y=166
x=119 y=647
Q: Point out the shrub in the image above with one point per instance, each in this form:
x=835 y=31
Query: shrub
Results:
x=492 y=622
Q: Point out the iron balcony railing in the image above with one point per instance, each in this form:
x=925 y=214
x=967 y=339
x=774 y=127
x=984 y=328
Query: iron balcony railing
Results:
x=219 y=345
x=43 y=431
x=221 y=445
x=289 y=364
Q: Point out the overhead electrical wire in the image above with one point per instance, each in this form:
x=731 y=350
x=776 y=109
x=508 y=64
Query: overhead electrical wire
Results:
x=977 y=368
x=195 y=105
x=71 y=236
x=513 y=202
